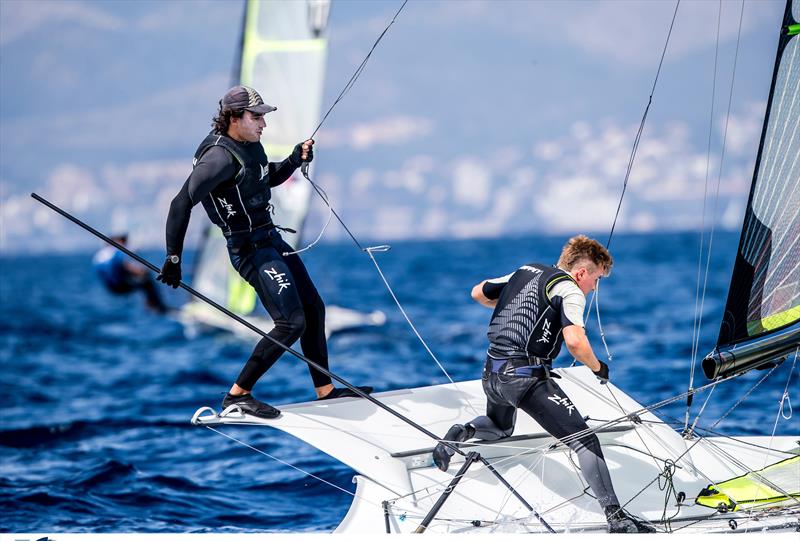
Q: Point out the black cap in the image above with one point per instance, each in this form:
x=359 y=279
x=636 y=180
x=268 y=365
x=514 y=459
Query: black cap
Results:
x=244 y=98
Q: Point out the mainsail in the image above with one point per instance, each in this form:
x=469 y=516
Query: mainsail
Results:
x=762 y=313
x=284 y=46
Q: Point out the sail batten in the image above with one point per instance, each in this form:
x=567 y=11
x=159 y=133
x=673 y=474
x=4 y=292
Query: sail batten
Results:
x=764 y=295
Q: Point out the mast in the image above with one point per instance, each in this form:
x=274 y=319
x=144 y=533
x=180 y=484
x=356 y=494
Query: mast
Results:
x=761 y=323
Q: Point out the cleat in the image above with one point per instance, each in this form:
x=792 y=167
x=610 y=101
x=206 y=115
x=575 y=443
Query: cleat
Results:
x=250 y=405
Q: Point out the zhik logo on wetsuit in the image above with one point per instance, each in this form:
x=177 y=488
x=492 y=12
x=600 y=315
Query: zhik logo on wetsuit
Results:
x=227 y=206
x=562 y=401
x=545 y=332
x=279 y=277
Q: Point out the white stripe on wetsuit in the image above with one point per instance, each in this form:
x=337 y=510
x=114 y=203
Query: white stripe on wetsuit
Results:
x=244 y=209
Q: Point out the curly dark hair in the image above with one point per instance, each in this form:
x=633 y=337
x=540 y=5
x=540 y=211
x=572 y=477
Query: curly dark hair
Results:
x=222 y=121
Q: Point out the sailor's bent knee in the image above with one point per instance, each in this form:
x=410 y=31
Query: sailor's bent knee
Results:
x=292 y=327
x=486 y=429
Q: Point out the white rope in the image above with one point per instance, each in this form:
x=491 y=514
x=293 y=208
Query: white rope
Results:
x=320 y=479
x=304 y=472
x=784 y=396
x=369 y=250
x=697 y=306
x=324 y=197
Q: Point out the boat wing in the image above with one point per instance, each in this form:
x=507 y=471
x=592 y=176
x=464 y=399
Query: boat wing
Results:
x=384 y=448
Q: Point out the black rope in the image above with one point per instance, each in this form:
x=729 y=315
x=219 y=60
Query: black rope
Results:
x=359 y=70
x=350 y=83
x=668 y=487
x=641 y=127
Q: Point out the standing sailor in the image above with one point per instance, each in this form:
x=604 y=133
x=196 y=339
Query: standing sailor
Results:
x=536 y=310
x=121 y=276
x=232 y=178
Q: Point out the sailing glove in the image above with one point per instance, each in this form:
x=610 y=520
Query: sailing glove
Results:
x=602 y=372
x=297 y=154
x=170 y=273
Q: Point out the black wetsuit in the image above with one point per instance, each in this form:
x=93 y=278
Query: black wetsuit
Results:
x=233 y=181
x=525 y=336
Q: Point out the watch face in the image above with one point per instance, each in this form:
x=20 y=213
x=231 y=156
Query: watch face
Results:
x=175 y=259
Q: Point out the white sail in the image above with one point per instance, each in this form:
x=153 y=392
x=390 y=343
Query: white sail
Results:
x=283 y=57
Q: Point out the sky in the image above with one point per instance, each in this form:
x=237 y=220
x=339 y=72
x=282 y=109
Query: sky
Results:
x=472 y=119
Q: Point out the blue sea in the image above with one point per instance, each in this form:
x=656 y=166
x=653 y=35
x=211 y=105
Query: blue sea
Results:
x=97 y=392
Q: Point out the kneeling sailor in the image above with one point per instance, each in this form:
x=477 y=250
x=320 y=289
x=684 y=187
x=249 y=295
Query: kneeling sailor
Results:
x=537 y=308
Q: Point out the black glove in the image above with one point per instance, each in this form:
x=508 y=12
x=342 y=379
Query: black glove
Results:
x=170 y=273
x=297 y=154
x=602 y=372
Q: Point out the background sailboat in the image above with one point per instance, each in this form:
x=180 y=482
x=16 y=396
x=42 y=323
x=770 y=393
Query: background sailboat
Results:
x=696 y=481
x=283 y=54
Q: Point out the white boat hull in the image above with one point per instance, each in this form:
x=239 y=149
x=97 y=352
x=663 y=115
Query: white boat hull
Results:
x=394 y=463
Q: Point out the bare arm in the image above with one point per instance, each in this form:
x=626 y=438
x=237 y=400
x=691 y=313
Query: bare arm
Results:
x=480 y=298
x=579 y=346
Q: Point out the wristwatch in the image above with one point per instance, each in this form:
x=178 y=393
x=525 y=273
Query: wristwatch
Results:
x=174 y=259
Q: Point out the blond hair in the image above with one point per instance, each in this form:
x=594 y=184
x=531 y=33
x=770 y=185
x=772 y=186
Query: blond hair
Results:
x=581 y=249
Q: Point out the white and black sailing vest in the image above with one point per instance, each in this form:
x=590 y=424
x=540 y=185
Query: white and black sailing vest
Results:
x=526 y=324
x=242 y=204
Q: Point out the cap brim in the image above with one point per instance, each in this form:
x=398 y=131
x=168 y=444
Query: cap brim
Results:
x=261 y=109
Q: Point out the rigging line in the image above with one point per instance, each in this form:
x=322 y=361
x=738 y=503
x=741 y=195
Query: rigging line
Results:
x=669 y=490
x=645 y=409
x=258 y=331
x=707 y=432
x=304 y=170
x=358 y=71
x=596 y=299
x=679 y=457
x=719 y=171
x=635 y=149
x=369 y=251
x=413 y=328
x=641 y=126
x=744 y=397
x=304 y=472
x=734 y=460
x=266 y=454
x=566 y=440
x=635 y=427
x=695 y=323
x=702 y=409
x=526 y=472
x=592 y=302
x=324 y=197
x=780 y=404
